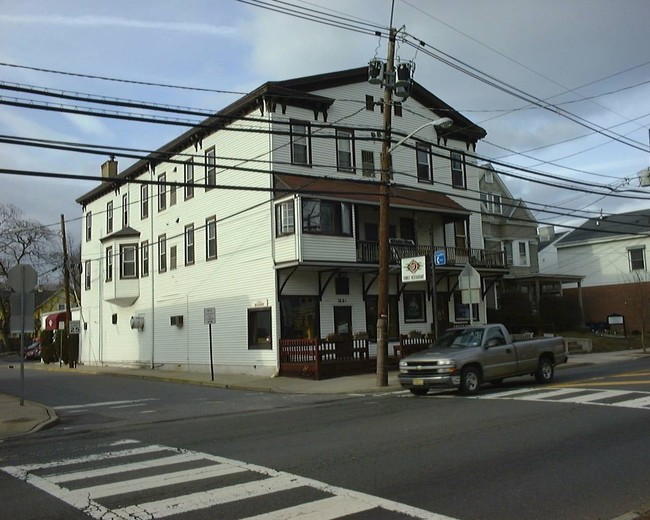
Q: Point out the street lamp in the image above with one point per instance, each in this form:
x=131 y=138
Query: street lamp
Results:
x=384 y=260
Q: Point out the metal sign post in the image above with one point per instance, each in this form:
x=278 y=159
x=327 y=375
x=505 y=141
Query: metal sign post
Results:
x=209 y=317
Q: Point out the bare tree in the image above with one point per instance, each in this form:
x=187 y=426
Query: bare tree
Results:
x=637 y=299
x=23 y=241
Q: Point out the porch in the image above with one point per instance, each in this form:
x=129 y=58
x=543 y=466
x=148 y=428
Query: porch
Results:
x=368 y=253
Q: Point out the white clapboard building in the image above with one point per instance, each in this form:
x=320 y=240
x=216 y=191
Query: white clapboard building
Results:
x=261 y=224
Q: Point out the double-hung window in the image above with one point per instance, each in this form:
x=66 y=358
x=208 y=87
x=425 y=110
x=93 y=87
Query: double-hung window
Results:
x=125 y=210
x=423 y=159
x=109 y=263
x=144 y=201
x=89 y=226
x=367 y=163
x=345 y=150
x=188 y=169
x=326 y=217
x=300 y=143
x=162 y=253
x=144 y=258
x=458 y=179
x=87 y=274
x=162 y=192
x=211 y=238
x=210 y=168
x=636 y=257
x=109 y=217
x=492 y=203
x=189 y=244
x=285 y=221
x=129 y=261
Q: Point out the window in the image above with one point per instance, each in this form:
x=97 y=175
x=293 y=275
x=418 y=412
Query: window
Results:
x=636 y=257
x=144 y=258
x=520 y=253
x=162 y=192
x=210 y=168
x=129 y=261
x=397 y=105
x=173 y=256
x=162 y=253
x=89 y=226
x=423 y=156
x=144 y=201
x=109 y=217
x=492 y=203
x=125 y=210
x=414 y=307
x=370 y=103
x=367 y=163
x=189 y=244
x=458 y=170
x=326 y=217
x=345 y=150
x=300 y=143
x=87 y=274
x=211 y=238
x=109 y=264
x=523 y=253
x=172 y=195
x=259 y=329
x=461 y=310
x=285 y=218
x=188 y=178
x=460 y=230
x=407 y=228
x=342 y=285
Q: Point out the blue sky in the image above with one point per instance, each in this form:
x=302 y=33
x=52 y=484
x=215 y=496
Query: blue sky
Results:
x=549 y=49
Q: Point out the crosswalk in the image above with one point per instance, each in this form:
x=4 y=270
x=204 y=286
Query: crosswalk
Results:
x=127 y=479
x=576 y=395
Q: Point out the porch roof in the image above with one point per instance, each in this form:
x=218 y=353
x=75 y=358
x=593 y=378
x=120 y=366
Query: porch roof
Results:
x=367 y=192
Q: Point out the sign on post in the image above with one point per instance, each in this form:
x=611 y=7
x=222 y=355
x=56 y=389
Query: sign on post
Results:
x=414 y=269
x=469 y=282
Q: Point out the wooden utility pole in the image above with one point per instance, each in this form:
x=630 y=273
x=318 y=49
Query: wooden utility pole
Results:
x=66 y=284
x=384 y=205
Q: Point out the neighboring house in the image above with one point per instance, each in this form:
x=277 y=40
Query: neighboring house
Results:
x=45 y=301
x=610 y=253
x=262 y=223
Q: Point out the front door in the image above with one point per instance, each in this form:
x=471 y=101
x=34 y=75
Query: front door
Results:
x=343 y=320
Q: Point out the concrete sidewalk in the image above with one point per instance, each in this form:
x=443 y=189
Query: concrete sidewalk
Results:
x=18 y=420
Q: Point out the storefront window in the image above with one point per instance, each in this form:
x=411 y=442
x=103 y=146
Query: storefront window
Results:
x=300 y=317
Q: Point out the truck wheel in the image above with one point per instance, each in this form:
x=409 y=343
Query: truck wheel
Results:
x=419 y=391
x=470 y=381
x=544 y=372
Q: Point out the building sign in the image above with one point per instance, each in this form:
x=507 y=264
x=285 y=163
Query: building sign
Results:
x=414 y=269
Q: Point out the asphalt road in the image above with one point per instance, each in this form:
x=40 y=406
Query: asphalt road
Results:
x=576 y=450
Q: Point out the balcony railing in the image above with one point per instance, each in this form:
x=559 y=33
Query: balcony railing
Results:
x=368 y=252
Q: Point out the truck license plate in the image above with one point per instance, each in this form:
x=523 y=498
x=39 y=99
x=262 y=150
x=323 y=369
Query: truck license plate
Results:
x=418 y=382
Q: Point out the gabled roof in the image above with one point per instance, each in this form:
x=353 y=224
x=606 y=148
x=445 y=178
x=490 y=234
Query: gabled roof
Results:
x=294 y=92
x=510 y=208
x=634 y=223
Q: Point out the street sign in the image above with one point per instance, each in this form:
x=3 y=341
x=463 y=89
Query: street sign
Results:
x=439 y=257
x=75 y=326
x=22 y=278
x=19 y=323
x=469 y=282
x=209 y=316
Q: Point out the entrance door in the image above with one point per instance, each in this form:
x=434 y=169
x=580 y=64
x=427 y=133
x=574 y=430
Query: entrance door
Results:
x=343 y=320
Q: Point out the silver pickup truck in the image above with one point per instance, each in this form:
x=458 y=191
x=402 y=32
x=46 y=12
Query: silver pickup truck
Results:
x=466 y=357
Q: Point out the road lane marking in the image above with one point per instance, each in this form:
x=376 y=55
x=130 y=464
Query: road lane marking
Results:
x=342 y=502
x=641 y=402
x=106 y=403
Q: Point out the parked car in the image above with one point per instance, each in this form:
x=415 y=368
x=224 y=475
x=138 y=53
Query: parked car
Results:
x=33 y=351
x=466 y=357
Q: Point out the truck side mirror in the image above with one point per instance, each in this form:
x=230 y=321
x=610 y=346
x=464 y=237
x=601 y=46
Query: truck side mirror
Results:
x=493 y=342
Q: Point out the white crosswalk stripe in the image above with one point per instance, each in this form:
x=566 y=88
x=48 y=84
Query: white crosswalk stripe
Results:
x=576 y=395
x=158 y=481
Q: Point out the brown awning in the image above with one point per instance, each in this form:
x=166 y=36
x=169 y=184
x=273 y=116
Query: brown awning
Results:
x=368 y=193
x=53 y=320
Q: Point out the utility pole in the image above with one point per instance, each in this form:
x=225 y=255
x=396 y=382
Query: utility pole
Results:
x=384 y=204
x=66 y=284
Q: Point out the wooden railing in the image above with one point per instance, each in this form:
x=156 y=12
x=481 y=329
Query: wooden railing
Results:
x=408 y=346
x=368 y=252
x=320 y=359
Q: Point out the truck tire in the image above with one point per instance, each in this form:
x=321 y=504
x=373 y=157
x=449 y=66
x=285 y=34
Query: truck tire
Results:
x=544 y=374
x=470 y=381
x=419 y=391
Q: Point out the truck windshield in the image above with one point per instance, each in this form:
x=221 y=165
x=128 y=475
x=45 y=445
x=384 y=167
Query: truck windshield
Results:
x=465 y=337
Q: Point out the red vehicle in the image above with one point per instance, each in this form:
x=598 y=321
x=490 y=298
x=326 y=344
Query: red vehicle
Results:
x=33 y=351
